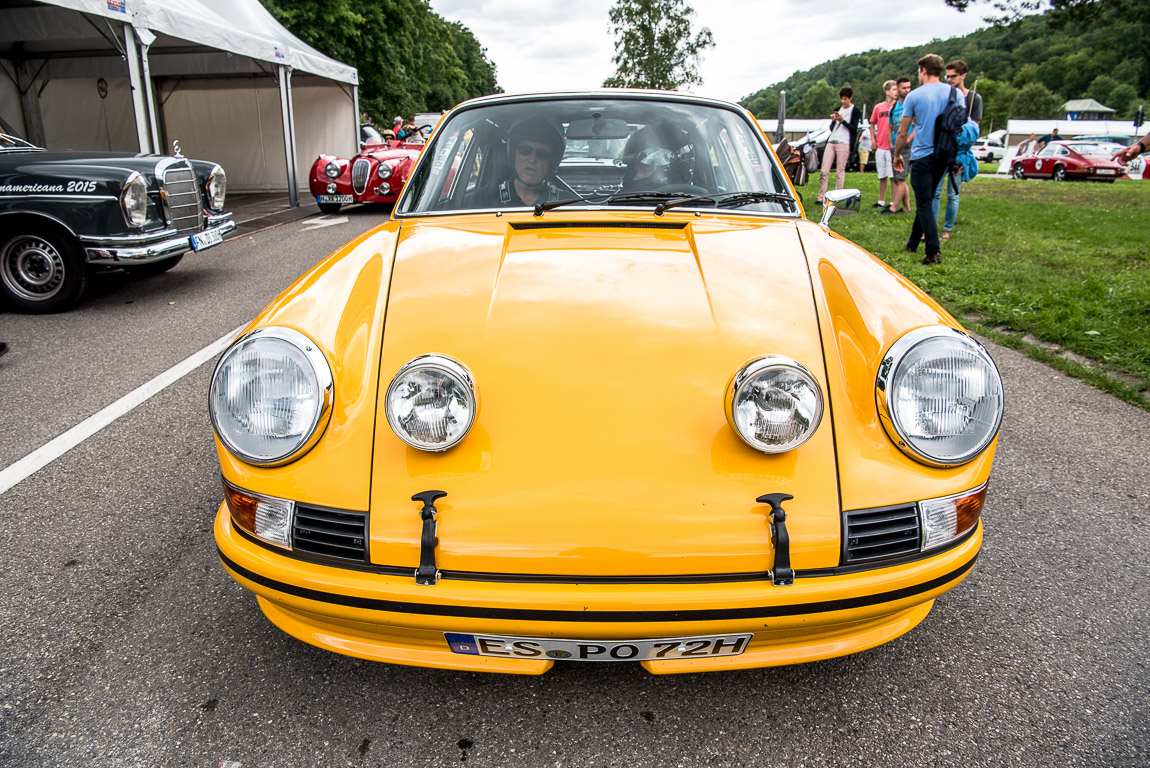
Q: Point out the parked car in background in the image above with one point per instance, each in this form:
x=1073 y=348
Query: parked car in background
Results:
x=64 y=215
x=598 y=391
x=1069 y=160
x=1103 y=138
x=374 y=175
x=988 y=150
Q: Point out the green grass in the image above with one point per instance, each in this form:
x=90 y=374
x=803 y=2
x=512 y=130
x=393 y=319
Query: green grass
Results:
x=1060 y=271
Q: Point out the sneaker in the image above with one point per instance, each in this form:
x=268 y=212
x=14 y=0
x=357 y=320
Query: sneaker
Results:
x=932 y=258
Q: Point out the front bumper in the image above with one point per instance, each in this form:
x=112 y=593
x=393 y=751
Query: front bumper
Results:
x=390 y=618
x=133 y=250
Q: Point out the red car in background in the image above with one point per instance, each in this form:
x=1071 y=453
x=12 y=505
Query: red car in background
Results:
x=375 y=175
x=1066 y=160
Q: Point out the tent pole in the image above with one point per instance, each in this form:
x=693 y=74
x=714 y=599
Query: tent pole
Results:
x=132 y=52
x=289 y=133
x=150 y=100
x=355 y=120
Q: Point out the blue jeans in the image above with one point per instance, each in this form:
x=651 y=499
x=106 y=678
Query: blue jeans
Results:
x=952 y=192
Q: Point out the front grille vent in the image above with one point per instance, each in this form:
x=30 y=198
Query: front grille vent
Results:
x=518 y=225
x=883 y=532
x=185 y=207
x=360 y=171
x=330 y=533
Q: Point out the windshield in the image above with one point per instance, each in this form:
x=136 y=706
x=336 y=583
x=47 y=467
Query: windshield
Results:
x=1099 y=150
x=593 y=152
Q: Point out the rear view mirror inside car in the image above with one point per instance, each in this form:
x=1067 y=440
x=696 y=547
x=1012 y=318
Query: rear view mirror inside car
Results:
x=598 y=128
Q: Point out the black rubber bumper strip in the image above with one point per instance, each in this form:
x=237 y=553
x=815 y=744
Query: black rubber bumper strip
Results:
x=527 y=614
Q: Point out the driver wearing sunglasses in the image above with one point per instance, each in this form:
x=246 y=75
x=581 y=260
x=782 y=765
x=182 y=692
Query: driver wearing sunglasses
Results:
x=535 y=148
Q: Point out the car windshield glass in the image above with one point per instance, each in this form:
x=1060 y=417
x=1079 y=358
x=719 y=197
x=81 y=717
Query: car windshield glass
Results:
x=367 y=133
x=1100 y=150
x=594 y=152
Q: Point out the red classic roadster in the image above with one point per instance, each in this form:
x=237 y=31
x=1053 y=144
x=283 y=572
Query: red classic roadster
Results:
x=375 y=175
x=1065 y=160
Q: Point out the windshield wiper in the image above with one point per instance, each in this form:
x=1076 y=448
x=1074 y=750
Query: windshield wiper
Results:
x=730 y=200
x=639 y=197
x=541 y=207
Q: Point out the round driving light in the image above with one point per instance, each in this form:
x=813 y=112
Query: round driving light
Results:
x=939 y=396
x=271 y=396
x=774 y=404
x=432 y=402
x=134 y=200
x=332 y=169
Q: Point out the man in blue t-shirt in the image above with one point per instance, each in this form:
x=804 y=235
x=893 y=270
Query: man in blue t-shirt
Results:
x=922 y=108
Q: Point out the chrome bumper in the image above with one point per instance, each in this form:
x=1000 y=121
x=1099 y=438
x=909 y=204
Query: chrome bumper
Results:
x=105 y=250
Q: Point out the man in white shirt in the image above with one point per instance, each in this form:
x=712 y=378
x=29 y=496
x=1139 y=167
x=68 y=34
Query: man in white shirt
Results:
x=844 y=133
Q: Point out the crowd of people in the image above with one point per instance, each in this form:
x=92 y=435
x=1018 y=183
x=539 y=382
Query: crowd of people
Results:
x=901 y=135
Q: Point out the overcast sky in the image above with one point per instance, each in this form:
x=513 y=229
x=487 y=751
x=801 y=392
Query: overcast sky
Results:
x=547 y=45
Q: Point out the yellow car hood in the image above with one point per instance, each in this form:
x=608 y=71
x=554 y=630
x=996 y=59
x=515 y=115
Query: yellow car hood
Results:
x=601 y=350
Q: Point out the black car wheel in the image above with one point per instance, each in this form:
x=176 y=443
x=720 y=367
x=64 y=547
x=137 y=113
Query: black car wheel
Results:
x=1059 y=173
x=153 y=268
x=42 y=270
x=329 y=208
x=1018 y=173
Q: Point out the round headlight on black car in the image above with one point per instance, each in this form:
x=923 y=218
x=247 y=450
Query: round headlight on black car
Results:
x=216 y=188
x=939 y=396
x=773 y=403
x=271 y=396
x=432 y=402
x=134 y=200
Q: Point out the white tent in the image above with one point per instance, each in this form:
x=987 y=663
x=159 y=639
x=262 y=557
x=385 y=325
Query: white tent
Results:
x=222 y=77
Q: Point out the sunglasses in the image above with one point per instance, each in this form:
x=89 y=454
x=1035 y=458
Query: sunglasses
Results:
x=542 y=153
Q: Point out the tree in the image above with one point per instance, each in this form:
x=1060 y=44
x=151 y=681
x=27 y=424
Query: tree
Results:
x=1035 y=101
x=819 y=101
x=654 y=47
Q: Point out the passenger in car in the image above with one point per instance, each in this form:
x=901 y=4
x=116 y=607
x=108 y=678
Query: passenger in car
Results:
x=652 y=157
x=534 y=148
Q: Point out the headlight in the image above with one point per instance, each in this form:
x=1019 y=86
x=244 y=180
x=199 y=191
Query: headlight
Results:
x=217 y=188
x=271 y=396
x=332 y=169
x=939 y=396
x=773 y=403
x=385 y=170
x=134 y=200
x=432 y=402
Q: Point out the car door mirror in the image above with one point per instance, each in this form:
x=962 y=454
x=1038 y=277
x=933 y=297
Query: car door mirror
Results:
x=840 y=202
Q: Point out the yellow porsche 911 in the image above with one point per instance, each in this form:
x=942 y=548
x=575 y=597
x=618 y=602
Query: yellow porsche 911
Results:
x=599 y=391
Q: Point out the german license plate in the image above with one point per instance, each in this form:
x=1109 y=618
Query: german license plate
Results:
x=597 y=650
x=206 y=239
x=341 y=199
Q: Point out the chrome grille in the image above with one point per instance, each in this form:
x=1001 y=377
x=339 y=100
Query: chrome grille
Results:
x=360 y=172
x=182 y=195
x=882 y=532
x=330 y=533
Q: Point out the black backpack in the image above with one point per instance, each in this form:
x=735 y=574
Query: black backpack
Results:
x=947 y=126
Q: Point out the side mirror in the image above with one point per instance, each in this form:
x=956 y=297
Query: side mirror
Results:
x=840 y=202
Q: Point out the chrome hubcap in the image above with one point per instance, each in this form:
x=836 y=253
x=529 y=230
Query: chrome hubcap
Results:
x=31 y=268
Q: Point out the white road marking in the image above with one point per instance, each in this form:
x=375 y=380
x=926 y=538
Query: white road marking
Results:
x=49 y=452
x=325 y=221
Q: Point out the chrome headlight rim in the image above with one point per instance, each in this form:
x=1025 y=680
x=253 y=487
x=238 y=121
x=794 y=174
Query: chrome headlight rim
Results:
x=138 y=189
x=326 y=387
x=884 y=393
x=385 y=170
x=216 y=188
x=749 y=372
x=333 y=169
x=443 y=364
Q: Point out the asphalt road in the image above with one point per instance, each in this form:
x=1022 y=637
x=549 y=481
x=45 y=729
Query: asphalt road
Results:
x=126 y=644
